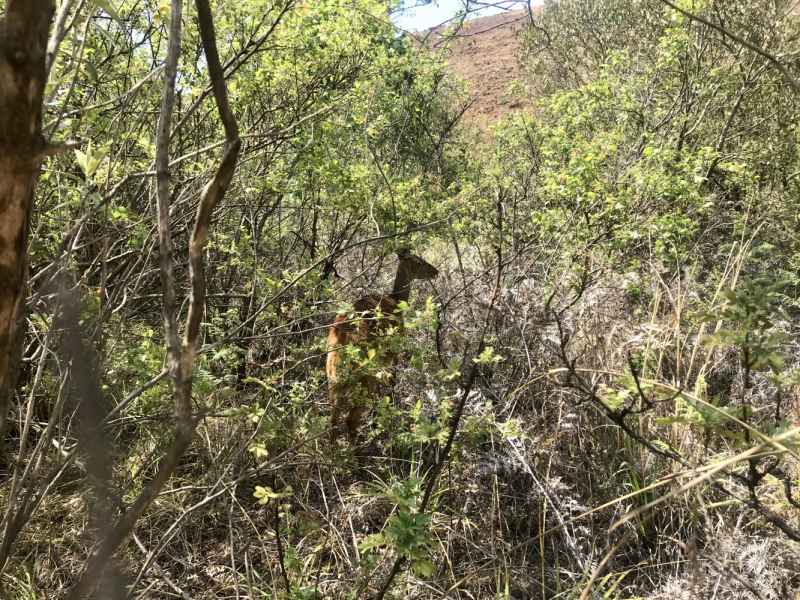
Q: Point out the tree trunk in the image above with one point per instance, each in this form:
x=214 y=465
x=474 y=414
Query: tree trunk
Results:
x=23 y=44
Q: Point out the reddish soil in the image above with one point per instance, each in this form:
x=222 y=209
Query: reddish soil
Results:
x=484 y=54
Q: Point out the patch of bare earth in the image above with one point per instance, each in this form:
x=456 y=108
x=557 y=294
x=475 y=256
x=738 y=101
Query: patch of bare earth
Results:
x=484 y=53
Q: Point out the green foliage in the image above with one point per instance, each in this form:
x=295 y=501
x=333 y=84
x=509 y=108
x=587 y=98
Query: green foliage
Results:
x=406 y=494
x=90 y=161
x=487 y=357
x=407 y=536
x=453 y=370
x=423 y=429
x=784 y=426
x=652 y=154
x=483 y=423
x=711 y=419
x=265 y=495
x=752 y=310
x=406 y=533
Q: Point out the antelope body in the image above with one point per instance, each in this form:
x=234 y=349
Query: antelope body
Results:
x=376 y=316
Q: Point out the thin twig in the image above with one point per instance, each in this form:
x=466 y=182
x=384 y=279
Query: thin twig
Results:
x=778 y=65
x=433 y=475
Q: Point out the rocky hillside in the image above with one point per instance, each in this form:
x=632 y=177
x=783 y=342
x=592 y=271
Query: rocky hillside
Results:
x=484 y=53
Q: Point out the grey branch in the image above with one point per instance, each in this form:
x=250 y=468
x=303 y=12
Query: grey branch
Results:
x=180 y=360
x=778 y=65
x=51 y=149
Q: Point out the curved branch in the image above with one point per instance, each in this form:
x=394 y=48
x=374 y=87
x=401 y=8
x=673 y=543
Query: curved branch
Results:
x=778 y=65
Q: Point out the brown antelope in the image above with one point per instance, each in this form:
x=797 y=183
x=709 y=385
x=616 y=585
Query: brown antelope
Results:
x=376 y=314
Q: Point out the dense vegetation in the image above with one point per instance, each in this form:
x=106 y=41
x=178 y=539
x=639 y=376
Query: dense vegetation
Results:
x=597 y=397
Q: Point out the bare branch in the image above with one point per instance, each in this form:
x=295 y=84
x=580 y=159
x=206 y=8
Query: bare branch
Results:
x=778 y=65
x=212 y=193
x=59 y=32
x=162 y=190
x=433 y=475
x=180 y=360
x=184 y=432
x=52 y=149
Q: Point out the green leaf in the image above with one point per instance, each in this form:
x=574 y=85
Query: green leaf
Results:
x=376 y=540
x=488 y=356
x=55 y=84
x=81 y=158
x=737 y=438
x=259 y=382
x=265 y=494
x=258 y=449
x=95 y=159
x=662 y=444
x=91 y=69
x=108 y=7
x=104 y=33
x=345 y=308
x=423 y=568
x=238 y=412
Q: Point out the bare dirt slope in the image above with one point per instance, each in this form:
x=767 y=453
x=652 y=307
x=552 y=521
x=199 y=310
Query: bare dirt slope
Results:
x=484 y=53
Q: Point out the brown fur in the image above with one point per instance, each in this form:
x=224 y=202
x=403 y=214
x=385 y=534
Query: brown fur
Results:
x=360 y=332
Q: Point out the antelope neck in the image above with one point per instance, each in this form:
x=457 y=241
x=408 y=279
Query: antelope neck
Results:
x=402 y=283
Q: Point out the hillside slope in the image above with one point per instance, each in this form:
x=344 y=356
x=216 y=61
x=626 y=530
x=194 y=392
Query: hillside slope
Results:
x=484 y=54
